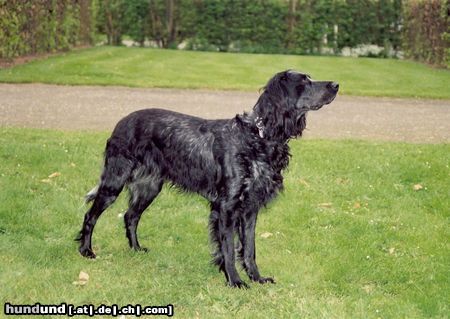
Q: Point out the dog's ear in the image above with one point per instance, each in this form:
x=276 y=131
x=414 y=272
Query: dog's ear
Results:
x=275 y=111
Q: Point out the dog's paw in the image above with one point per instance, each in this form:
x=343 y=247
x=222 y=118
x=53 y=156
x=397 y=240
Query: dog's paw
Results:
x=143 y=249
x=239 y=284
x=265 y=280
x=86 y=252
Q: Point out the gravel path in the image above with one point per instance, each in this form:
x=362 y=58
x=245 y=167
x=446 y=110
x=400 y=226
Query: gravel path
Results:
x=99 y=108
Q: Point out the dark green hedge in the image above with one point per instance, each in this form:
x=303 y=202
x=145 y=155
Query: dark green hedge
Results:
x=419 y=27
x=38 y=26
x=427 y=31
x=264 y=26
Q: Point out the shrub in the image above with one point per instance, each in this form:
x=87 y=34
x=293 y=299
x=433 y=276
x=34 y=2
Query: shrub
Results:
x=426 y=31
x=30 y=27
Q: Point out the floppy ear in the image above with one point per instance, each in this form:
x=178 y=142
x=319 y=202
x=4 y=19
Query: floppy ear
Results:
x=275 y=112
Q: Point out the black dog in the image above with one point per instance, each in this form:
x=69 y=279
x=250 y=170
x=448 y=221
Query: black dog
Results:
x=236 y=164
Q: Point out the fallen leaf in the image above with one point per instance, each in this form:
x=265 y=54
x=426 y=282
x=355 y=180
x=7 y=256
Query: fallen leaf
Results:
x=55 y=174
x=303 y=182
x=83 y=276
x=391 y=250
x=357 y=205
x=341 y=181
x=83 y=279
x=417 y=187
x=368 y=288
x=325 y=205
x=266 y=235
x=200 y=296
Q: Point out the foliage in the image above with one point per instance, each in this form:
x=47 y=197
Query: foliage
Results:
x=246 y=26
x=280 y=26
x=135 y=20
x=420 y=27
x=111 y=20
x=154 y=20
x=164 y=17
x=427 y=28
x=265 y=26
x=368 y=22
x=30 y=27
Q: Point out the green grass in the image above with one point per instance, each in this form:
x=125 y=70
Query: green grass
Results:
x=142 y=67
x=376 y=249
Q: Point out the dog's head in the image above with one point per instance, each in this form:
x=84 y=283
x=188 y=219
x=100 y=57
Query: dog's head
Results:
x=286 y=99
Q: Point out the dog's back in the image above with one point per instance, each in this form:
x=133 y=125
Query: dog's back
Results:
x=184 y=149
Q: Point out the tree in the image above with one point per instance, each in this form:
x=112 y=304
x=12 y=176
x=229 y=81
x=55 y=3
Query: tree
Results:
x=164 y=20
x=110 y=20
x=136 y=20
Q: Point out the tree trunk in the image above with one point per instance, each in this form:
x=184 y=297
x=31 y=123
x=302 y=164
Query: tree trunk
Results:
x=170 y=22
x=85 y=22
x=155 y=23
x=291 y=21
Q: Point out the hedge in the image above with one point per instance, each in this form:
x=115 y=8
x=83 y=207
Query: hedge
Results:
x=427 y=31
x=421 y=28
x=38 y=26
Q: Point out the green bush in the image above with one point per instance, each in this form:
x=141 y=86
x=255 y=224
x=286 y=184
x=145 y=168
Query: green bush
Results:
x=427 y=27
x=30 y=27
x=260 y=26
x=419 y=27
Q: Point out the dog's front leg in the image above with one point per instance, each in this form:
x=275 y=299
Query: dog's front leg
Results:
x=247 y=238
x=226 y=233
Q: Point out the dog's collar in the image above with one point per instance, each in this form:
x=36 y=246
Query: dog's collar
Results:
x=260 y=126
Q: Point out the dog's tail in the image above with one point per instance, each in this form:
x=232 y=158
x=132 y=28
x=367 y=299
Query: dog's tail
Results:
x=91 y=195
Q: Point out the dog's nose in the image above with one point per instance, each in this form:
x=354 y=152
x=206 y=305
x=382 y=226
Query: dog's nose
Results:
x=334 y=86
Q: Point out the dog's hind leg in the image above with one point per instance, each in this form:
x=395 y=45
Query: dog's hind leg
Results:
x=215 y=239
x=239 y=246
x=143 y=190
x=115 y=174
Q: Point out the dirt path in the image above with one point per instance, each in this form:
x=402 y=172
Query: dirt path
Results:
x=99 y=108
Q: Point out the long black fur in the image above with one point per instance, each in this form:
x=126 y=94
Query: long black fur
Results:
x=236 y=164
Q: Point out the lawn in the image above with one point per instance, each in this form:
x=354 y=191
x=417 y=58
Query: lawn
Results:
x=349 y=237
x=143 y=67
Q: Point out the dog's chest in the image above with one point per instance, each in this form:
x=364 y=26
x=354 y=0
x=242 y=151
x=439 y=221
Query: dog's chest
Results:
x=263 y=178
x=262 y=182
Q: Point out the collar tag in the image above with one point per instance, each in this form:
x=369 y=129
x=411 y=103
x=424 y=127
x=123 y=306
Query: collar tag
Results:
x=260 y=127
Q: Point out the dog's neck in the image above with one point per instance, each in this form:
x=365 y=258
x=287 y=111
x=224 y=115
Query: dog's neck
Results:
x=255 y=123
x=252 y=122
